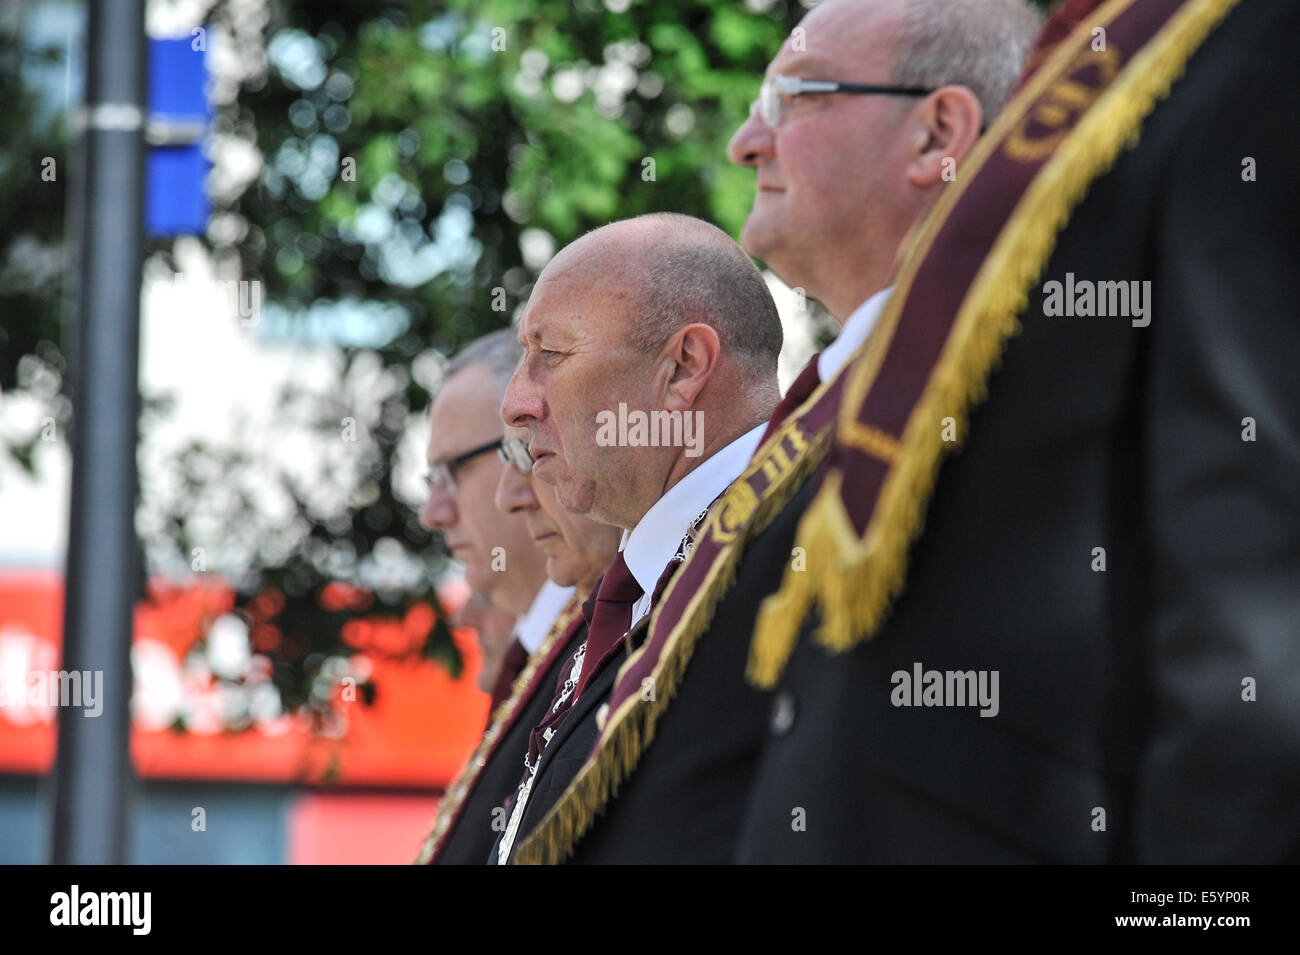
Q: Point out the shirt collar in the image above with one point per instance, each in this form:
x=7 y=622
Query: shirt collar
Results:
x=852 y=335
x=531 y=629
x=650 y=545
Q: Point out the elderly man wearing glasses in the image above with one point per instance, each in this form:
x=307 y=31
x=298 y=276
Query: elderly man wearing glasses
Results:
x=501 y=562
x=577 y=549
x=860 y=122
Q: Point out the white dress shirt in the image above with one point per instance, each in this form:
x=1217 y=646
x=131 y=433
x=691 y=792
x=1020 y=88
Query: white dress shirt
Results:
x=531 y=629
x=852 y=335
x=650 y=545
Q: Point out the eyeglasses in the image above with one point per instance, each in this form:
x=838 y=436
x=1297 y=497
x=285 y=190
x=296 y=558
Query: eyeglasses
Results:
x=442 y=474
x=770 y=102
x=514 y=451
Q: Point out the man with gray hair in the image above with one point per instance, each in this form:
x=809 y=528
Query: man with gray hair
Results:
x=496 y=550
x=500 y=559
x=863 y=118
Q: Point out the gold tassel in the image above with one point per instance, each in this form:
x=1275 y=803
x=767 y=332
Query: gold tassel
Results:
x=865 y=577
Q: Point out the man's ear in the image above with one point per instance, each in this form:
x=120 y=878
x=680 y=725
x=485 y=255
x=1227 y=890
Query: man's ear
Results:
x=694 y=350
x=949 y=122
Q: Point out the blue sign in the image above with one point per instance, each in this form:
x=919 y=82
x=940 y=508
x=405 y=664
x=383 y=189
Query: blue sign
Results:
x=176 y=202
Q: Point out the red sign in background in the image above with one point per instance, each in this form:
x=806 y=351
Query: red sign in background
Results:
x=420 y=729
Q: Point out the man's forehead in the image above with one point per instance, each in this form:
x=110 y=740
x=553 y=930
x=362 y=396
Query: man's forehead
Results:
x=538 y=306
x=455 y=439
x=536 y=328
x=835 y=37
x=553 y=315
x=463 y=416
x=804 y=64
x=529 y=324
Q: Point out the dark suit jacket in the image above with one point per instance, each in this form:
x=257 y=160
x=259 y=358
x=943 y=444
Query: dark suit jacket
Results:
x=1120 y=690
x=568 y=748
x=471 y=839
x=681 y=804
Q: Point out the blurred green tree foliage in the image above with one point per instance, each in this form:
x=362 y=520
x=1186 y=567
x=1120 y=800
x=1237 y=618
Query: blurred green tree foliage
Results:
x=427 y=154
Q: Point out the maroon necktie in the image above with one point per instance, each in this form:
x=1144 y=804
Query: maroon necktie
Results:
x=512 y=664
x=799 y=392
x=608 y=614
x=609 y=617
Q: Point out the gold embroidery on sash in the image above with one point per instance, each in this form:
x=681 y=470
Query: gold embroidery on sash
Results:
x=1039 y=133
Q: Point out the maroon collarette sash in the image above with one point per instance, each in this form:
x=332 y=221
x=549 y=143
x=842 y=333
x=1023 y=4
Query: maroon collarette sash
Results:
x=801 y=390
x=962 y=281
x=500 y=722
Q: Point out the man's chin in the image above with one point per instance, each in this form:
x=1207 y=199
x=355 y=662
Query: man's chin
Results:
x=481 y=579
x=760 y=235
x=577 y=501
x=561 y=571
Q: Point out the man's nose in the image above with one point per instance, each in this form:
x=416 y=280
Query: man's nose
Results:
x=522 y=402
x=439 y=510
x=750 y=143
x=514 y=492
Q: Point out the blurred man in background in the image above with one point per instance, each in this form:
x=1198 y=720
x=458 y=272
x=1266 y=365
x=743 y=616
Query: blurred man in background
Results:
x=500 y=558
x=495 y=630
x=497 y=550
x=577 y=548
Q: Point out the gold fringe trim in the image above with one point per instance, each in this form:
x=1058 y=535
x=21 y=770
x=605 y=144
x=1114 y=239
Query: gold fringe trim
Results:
x=463 y=784
x=864 y=577
x=632 y=727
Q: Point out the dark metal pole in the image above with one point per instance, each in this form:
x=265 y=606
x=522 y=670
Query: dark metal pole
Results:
x=92 y=772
